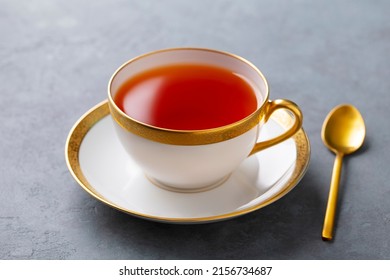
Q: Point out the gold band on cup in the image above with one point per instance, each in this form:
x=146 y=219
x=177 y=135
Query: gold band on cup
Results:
x=185 y=137
x=206 y=136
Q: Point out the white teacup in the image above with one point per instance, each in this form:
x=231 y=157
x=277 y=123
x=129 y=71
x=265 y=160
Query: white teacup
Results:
x=196 y=160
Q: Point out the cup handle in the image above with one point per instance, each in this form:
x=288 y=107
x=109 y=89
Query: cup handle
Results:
x=271 y=107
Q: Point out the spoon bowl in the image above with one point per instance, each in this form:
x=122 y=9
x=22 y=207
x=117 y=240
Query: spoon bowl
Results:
x=343 y=132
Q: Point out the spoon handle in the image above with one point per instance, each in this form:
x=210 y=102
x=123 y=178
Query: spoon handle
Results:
x=327 y=230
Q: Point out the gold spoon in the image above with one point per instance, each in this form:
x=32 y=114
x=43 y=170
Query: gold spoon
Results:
x=343 y=133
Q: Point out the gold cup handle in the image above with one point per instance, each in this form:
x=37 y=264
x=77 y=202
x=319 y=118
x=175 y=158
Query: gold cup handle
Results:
x=271 y=107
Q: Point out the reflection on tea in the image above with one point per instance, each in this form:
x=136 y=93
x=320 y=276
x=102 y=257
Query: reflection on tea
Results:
x=187 y=97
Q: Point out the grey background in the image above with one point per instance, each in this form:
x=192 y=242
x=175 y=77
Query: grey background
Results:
x=55 y=61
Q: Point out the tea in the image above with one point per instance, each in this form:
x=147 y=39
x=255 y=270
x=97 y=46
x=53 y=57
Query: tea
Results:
x=187 y=97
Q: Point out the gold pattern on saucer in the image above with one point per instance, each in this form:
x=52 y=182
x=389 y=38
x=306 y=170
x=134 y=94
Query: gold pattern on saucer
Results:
x=72 y=148
x=94 y=115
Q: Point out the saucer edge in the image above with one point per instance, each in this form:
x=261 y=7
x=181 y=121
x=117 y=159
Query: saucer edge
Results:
x=96 y=113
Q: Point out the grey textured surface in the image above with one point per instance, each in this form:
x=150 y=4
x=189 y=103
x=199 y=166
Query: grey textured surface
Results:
x=55 y=61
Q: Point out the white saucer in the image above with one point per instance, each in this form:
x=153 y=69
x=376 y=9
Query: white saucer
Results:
x=100 y=165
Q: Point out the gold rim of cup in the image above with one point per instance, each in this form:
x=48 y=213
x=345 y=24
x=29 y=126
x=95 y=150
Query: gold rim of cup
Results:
x=187 y=137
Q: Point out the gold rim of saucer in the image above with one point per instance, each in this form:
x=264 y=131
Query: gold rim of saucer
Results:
x=188 y=137
x=101 y=110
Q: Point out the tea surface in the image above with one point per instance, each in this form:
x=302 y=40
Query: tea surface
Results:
x=187 y=97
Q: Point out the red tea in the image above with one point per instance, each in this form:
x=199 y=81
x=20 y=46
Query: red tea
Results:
x=187 y=97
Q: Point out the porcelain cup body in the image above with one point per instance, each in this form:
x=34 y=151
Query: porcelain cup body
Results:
x=195 y=160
